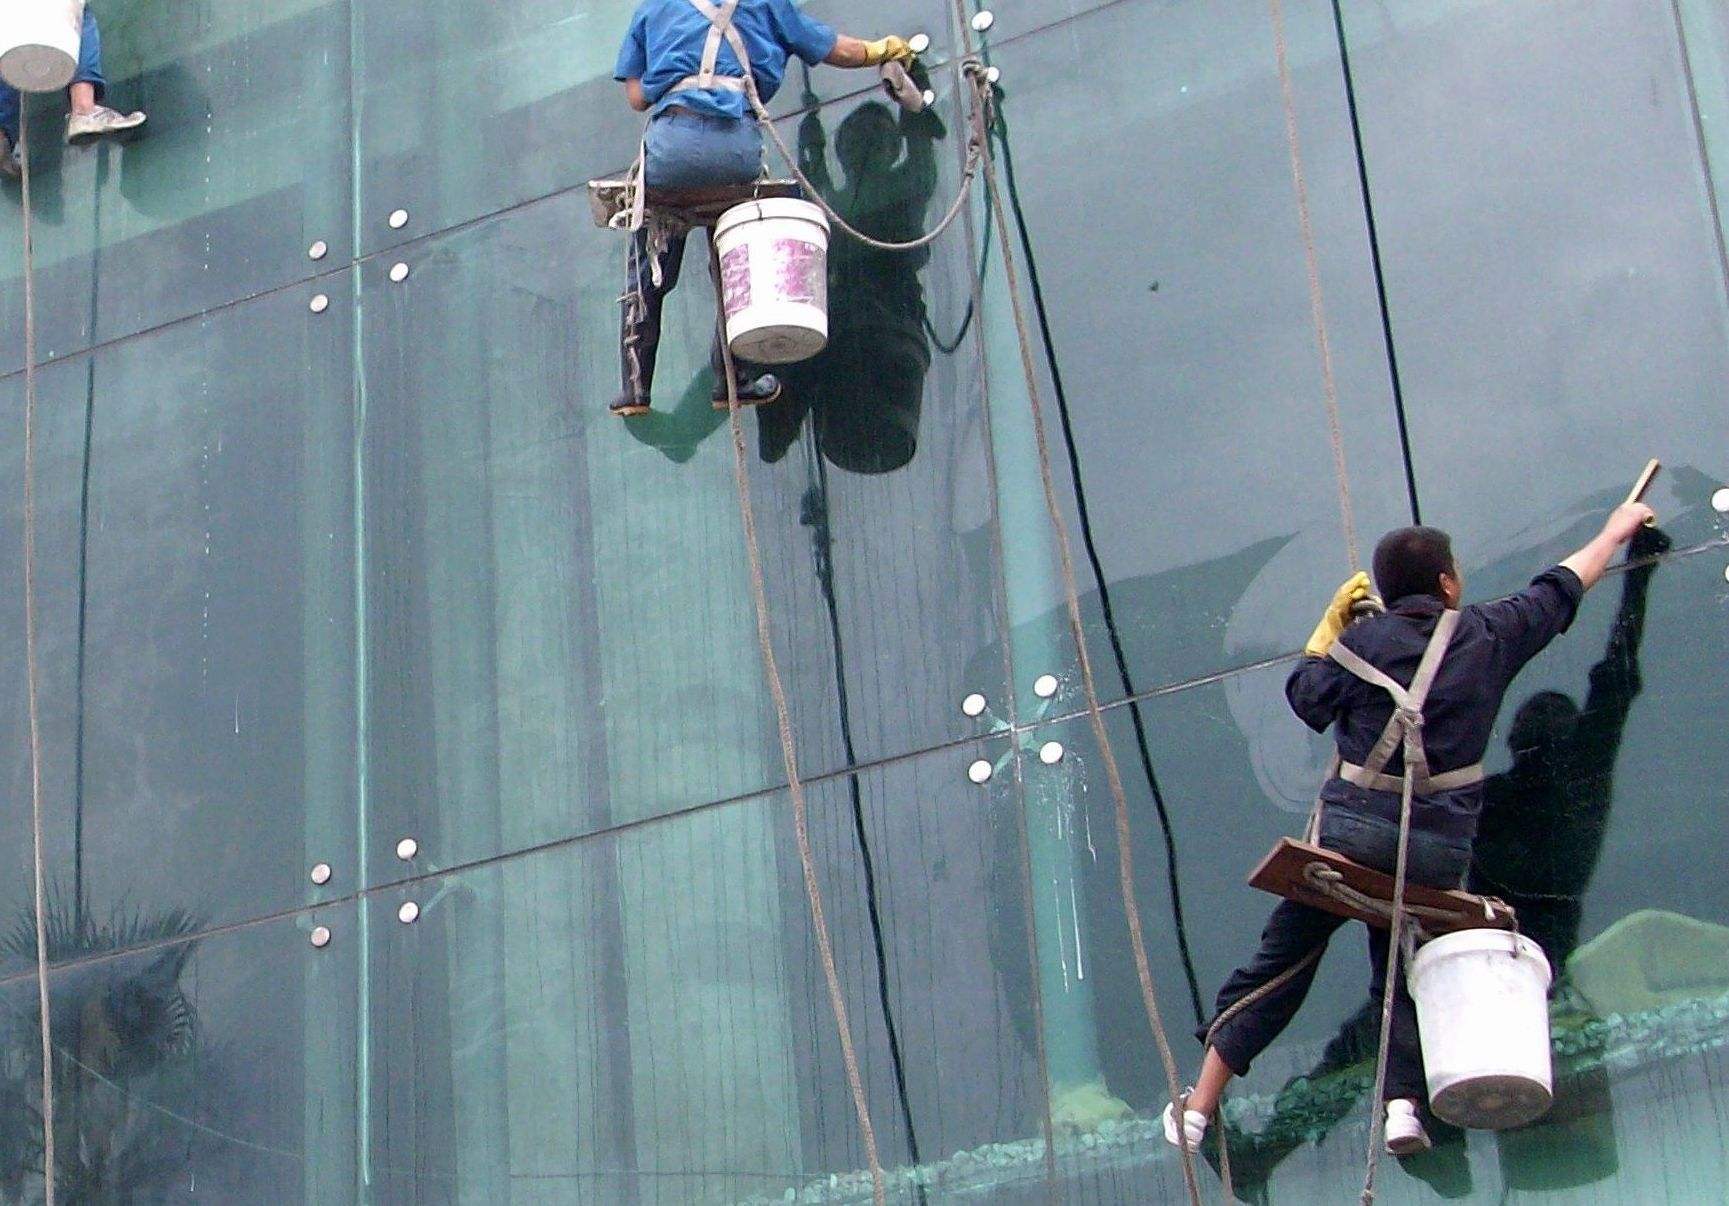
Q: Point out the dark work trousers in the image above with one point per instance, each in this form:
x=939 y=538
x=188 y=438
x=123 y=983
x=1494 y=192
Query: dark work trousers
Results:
x=1294 y=930
x=681 y=150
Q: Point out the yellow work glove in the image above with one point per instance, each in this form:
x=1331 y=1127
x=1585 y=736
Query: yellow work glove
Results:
x=891 y=49
x=1338 y=614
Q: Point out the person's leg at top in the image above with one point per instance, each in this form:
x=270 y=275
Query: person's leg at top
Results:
x=90 y=118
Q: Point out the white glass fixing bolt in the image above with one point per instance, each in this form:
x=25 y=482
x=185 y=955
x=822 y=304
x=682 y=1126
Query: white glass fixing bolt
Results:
x=409 y=913
x=981 y=771
x=993 y=74
x=399 y=272
x=318 y=250
x=1720 y=500
x=407 y=848
x=1051 y=753
x=1045 y=686
x=984 y=19
x=321 y=874
x=919 y=42
x=319 y=304
x=398 y=219
x=320 y=936
x=974 y=705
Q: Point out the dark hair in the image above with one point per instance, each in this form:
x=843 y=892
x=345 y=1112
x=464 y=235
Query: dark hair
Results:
x=1410 y=561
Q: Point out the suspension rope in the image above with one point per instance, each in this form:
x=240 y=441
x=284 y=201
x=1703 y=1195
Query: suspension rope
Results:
x=39 y=886
x=1071 y=591
x=978 y=122
x=1395 y=956
x=1317 y=299
x=788 y=749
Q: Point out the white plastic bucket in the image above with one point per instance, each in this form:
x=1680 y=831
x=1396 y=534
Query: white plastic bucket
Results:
x=774 y=275
x=1483 y=1013
x=39 y=42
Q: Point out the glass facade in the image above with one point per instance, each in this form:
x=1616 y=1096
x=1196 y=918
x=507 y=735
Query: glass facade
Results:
x=342 y=563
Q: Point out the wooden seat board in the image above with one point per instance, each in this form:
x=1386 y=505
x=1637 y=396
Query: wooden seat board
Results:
x=1281 y=873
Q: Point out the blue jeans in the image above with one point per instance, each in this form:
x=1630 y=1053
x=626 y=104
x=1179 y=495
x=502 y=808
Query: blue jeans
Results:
x=89 y=72
x=684 y=150
x=1434 y=861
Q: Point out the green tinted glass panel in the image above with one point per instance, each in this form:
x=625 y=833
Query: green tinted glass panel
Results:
x=614 y=998
x=195 y=546
x=243 y=165
x=1178 y=316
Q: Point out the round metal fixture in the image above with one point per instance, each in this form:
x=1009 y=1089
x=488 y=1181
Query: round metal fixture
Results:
x=981 y=771
x=1051 y=753
x=984 y=19
x=321 y=874
x=320 y=936
x=1045 y=686
x=993 y=74
x=318 y=250
x=398 y=219
x=399 y=272
x=319 y=304
x=409 y=913
x=930 y=98
x=920 y=42
x=974 y=705
x=1720 y=500
x=407 y=848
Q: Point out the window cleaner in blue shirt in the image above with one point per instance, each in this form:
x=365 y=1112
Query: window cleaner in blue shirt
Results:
x=1481 y=648
x=678 y=65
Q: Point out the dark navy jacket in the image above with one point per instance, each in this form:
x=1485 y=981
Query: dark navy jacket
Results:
x=1493 y=642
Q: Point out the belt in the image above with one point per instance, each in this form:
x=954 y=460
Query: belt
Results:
x=1453 y=780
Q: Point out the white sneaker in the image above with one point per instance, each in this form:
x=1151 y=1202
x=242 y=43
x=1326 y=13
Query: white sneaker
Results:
x=101 y=120
x=1405 y=1133
x=1194 y=1127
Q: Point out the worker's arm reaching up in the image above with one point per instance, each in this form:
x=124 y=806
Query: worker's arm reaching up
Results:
x=854 y=52
x=1590 y=561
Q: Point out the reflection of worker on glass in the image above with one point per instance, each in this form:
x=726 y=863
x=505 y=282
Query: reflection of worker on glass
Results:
x=1544 y=817
x=684 y=62
x=89 y=118
x=865 y=390
x=1360 y=805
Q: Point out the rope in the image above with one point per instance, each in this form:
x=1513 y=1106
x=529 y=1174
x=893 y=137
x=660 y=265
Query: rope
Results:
x=978 y=118
x=1377 y=1112
x=789 y=751
x=40 y=888
x=1071 y=590
x=1317 y=300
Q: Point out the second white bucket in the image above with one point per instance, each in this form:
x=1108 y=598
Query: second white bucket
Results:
x=1483 y=1013
x=39 y=42
x=774 y=275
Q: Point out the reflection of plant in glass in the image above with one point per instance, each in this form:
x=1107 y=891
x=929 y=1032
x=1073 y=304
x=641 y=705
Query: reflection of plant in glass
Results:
x=121 y=1025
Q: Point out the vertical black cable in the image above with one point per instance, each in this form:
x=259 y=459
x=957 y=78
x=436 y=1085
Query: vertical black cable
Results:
x=1106 y=610
x=816 y=515
x=1704 y=146
x=1375 y=260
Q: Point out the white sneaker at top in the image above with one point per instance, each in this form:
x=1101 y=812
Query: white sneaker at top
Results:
x=1405 y=1133
x=99 y=121
x=1194 y=1128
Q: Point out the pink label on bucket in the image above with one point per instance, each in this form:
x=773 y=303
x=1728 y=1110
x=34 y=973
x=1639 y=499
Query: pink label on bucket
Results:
x=799 y=272
x=735 y=278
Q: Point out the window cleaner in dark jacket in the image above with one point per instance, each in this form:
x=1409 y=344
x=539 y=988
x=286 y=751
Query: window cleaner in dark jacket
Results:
x=1480 y=649
x=684 y=62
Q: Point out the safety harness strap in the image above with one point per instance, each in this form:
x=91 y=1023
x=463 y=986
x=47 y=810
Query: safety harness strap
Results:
x=1405 y=725
x=720 y=26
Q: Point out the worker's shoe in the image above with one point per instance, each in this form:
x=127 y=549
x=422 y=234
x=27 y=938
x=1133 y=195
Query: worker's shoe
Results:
x=628 y=405
x=100 y=121
x=1405 y=1133
x=1194 y=1126
x=758 y=391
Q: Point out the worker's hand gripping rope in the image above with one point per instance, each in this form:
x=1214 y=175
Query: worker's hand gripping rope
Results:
x=1339 y=614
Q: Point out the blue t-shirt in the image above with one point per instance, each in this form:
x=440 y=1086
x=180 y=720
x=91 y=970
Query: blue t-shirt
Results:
x=666 y=41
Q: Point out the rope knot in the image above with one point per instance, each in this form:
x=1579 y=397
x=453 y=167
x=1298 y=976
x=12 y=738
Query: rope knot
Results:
x=1410 y=719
